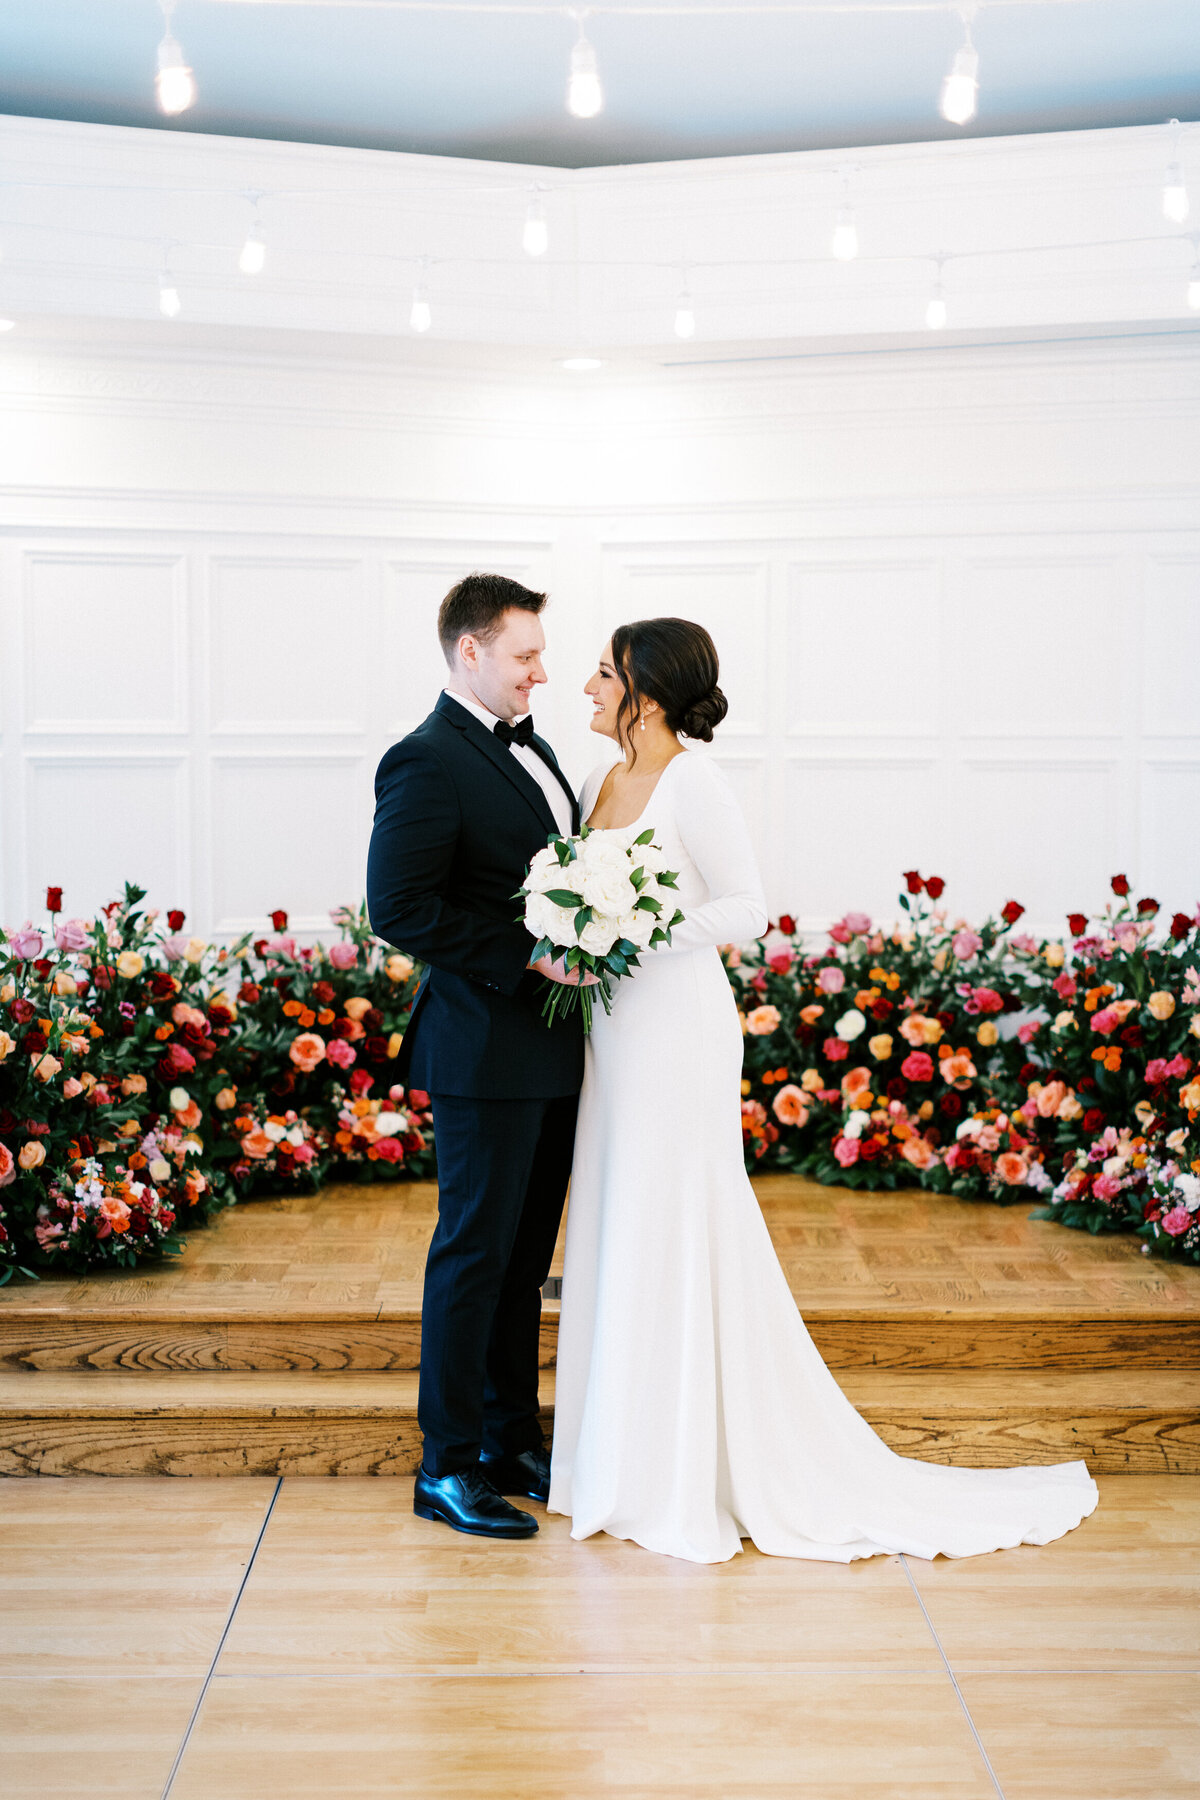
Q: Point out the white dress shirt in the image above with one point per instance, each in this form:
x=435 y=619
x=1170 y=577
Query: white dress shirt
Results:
x=530 y=761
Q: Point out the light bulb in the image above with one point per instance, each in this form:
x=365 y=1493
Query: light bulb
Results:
x=1175 y=196
x=844 y=243
x=585 y=96
x=175 y=82
x=168 y=297
x=421 y=317
x=960 y=90
x=1193 y=295
x=935 y=312
x=685 y=318
x=253 y=258
x=535 y=239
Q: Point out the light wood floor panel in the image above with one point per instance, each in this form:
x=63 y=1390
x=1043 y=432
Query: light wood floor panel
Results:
x=401 y=1594
x=1089 y=1737
x=883 y=1736
x=104 y=1580
x=110 y=1737
x=1120 y=1593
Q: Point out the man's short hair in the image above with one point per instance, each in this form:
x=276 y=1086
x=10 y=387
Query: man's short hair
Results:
x=475 y=607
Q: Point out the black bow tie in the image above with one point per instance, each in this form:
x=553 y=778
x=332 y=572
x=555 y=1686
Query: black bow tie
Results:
x=520 y=733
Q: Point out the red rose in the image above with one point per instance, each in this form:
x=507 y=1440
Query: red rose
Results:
x=162 y=985
x=880 y=1009
x=1077 y=924
x=1086 y=1084
x=1133 y=1035
x=1012 y=911
x=1093 y=1118
x=1149 y=907
x=279 y=920
x=419 y=1098
x=372 y=1019
x=175 y=1060
x=22 y=1011
x=360 y=1081
x=42 y=966
x=897 y=1087
x=260 y=947
x=934 y=886
x=1120 y=885
x=34 y=1040
x=951 y=1104
x=323 y=991
x=1180 y=926
x=343 y=1028
x=249 y=992
x=53 y=900
x=913 y=881
x=175 y=919
x=1029 y=1072
x=195 y=1035
x=787 y=924
x=389 y=1149
x=220 y=1011
x=284 y=984
x=945 y=1020
x=869 y=1149
x=375 y=1049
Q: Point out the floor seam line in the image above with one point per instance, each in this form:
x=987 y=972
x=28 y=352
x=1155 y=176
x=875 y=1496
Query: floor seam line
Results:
x=966 y=1711
x=212 y=1667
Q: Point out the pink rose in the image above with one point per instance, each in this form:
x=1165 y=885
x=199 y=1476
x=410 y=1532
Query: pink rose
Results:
x=985 y=1000
x=835 y=1050
x=1176 y=1221
x=343 y=955
x=831 y=980
x=918 y=1066
x=1065 y=986
x=389 y=1149
x=279 y=946
x=8 y=1168
x=781 y=963
x=1027 y=1032
x=26 y=943
x=1106 y=1187
x=839 y=933
x=965 y=943
x=71 y=1088
x=846 y=1151
x=174 y=947
x=1025 y=943
x=72 y=934
x=1157 y=1070
x=857 y=922
x=341 y=1053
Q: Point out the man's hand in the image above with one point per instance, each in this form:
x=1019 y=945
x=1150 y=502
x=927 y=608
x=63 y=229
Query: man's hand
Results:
x=554 y=969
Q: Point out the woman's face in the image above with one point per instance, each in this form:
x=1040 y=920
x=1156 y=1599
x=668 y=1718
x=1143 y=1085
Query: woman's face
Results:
x=605 y=690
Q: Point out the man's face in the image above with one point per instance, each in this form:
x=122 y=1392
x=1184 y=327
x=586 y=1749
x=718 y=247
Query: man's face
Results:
x=503 y=673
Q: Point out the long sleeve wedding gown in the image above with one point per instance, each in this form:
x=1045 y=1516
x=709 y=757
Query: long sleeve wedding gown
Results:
x=693 y=1409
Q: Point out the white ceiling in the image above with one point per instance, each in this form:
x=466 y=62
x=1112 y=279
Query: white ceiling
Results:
x=488 y=82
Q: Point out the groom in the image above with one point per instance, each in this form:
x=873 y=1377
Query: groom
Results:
x=462 y=804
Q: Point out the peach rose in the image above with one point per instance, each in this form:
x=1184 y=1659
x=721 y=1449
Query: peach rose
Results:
x=1055 y=955
x=915 y=1028
x=811 y=1080
x=257 y=1144
x=33 y=1154
x=763 y=1021
x=307 y=1051
x=133 y=1084
x=72 y=1088
x=130 y=964
x=856 y=1082
x=810 y=1014
x=916 y=1151
x=880 y=1046
x=226 y=1099
x=64 y=983
x=399 y=968
x=1012 y=1168
x=45 y=1067
x=356 y=1007
x=788 y=1106
x=7 y=1045
x=958 y=1067
x=116 y=1212
x=987 y=1034
x=1161 y=1004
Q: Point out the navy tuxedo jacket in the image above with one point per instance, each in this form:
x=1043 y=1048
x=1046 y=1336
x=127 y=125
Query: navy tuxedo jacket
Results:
x=457 y=823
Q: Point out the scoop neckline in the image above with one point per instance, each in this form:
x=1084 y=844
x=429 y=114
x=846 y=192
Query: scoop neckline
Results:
x=677 y=758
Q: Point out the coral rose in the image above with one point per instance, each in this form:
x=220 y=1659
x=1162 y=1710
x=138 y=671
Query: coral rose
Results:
x=116 y=1212
x=880 y=1046
x=1161 y=1004
x=763 y=1021
x=855 y=1082
x=33 y=1154
x=788 y=1106
x=343 y=955
x=1011 y=1168
x=958 y=1067
x=918 y=1152
x=810 y=1014
x=257 y=1144
x=307 y=1051
x=8 y=1167
x=917 y=1066
x=846 y=1151
x=71 y=1088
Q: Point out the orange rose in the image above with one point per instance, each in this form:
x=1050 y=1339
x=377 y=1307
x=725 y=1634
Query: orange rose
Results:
x=855 y=1083
x=33 y=1154
x=810 y=1014
x=763 y=1021
x=916 y=1151
x=958 y=1067
x=1012 y=1168
x=257 y=1144
x=356 y=1007
x=307 y=1051
x=116 y=1212
x=788 y=1106
x=226 y=1099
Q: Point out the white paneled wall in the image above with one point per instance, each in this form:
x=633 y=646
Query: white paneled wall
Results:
x=956 y=596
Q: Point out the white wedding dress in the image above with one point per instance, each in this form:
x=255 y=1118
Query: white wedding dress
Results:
x=693 y=1409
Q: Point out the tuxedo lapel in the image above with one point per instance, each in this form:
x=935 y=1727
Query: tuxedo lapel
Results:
x=497 y=753
x=551 y=761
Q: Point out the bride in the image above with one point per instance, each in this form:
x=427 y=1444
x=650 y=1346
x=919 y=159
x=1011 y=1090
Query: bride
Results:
x=693 y=1409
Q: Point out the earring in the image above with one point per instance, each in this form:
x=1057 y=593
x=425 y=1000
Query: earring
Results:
x=642 y=721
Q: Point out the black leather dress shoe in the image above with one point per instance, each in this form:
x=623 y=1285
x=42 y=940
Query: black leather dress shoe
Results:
x=526 y=1472
x=467 y=1501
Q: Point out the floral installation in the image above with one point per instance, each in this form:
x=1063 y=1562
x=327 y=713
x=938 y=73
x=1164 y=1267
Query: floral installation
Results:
x=382 y=1135
x=601 y=897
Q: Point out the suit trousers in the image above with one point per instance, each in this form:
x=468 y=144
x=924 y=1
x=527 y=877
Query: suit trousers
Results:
x=503 y=1169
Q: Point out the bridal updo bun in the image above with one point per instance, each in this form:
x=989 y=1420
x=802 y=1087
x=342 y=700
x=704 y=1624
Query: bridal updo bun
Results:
x=674 y=663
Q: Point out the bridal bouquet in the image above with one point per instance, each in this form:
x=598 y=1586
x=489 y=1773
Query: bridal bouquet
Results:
x=602 y=897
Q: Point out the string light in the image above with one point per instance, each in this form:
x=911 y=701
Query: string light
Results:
x=1175 y=195
x=685 y=318
x=844 y=243
x=169 y=303
x=175 y=82
x=253 y=257
x=535 y=239
x=935 y=311
x=585 y=96
x=960 y=89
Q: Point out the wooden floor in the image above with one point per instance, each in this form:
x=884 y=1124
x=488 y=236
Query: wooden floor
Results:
x=281 y=1639
x=286 y=1341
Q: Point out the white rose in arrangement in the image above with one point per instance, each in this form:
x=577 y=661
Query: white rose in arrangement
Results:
x=850 y=1026
x=1188 y=1188
x=390 y=1124
x=595 y=898
x=854 y=1124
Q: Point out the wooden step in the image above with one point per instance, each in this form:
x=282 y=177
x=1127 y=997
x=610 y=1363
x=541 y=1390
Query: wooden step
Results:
x=159 y=1340
x=335 y=1423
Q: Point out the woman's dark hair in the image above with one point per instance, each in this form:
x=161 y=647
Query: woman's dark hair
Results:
x=476 y=605
x=674 y=663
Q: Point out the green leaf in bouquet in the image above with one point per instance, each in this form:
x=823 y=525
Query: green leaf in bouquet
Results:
x=659 y=936
x=573 y=957
x=647 y=903
x=582 y=917
x=617 y=963
x=563 y=896
x=543 y=947
x=646 y=837
x=639 y=878
x=563 y=851
x=669 y=878
x=627 y=947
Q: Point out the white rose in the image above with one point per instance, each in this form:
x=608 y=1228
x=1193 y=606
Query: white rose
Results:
x=546 y=920
x=544 y=872
x=599 y=935
x=295 y=1135
x=854 y=1124
x=389 y=1124
x=1114 y=1165
x=609 y=892
x=1189 y=1187
x=179 y=1098
x=159 y=1170
x=638 y=926
x=968 y=1128
x=850 y=1026
x=275 y=1131
x=648 y=857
